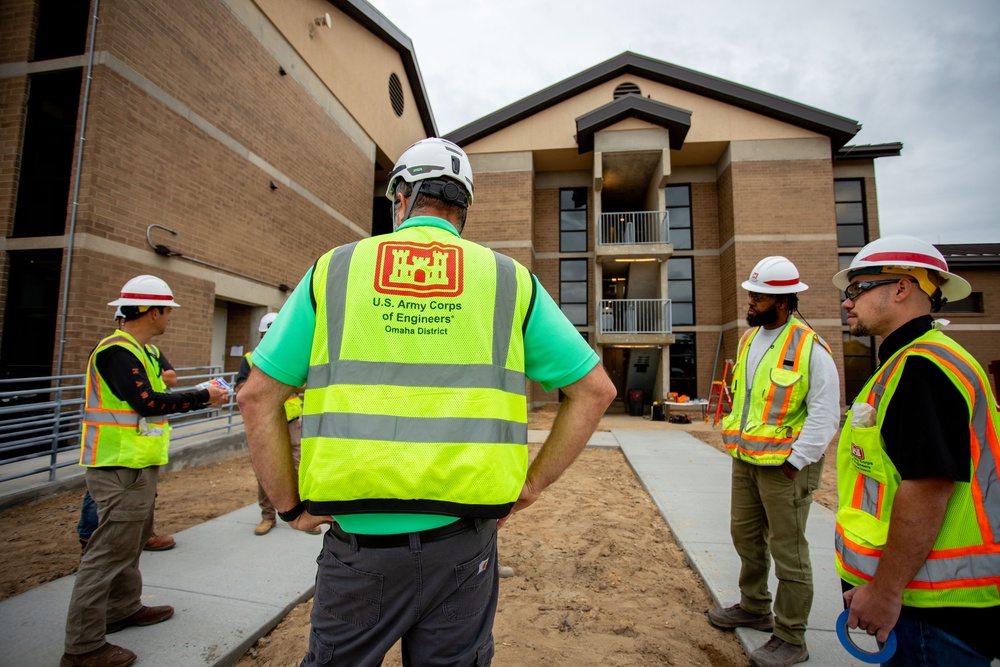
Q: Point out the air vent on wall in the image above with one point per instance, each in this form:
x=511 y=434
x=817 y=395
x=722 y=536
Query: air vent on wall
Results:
x=627 y=88
x=396 y=94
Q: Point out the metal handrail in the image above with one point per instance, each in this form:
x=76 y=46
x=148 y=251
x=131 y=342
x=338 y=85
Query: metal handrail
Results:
x=634 y=228
x=635 y=316
x=43 y=417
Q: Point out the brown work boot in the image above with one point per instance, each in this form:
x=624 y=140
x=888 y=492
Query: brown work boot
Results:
x=736 y=617
x=108 y=655
x=145 y=616
x=159 y=543
x=264 y=527
x=778 y=653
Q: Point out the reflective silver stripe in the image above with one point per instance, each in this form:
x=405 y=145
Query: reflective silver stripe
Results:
x=869 y=495
x=986 y=468
x=413 y=429
x=93 y=384
x=878 y=389
x=336 y=297
x=115 y=418
x=782 y=393
x=934 y=570
x=89 y=442
x=503 y=307
x=470 y=376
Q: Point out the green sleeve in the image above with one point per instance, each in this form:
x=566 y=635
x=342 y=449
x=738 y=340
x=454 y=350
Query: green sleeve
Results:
x=555 y=354
x=284 y=351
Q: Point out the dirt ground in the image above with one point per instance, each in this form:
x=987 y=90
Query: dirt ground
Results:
x=598 y=576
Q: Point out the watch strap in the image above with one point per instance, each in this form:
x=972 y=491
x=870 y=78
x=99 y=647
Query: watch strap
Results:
x=293 y=514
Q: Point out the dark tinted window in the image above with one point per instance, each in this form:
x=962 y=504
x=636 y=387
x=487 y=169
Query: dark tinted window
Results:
x=678 y=199
x=573 y=220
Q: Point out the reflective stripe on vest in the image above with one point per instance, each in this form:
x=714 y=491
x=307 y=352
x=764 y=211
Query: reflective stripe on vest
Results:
x=769 y=407
x=467 y=419
x=111 y=428
x=958 y=571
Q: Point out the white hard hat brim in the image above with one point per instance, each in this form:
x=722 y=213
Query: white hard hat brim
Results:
x=955 y=287
x=143 y=302
x=762 y=288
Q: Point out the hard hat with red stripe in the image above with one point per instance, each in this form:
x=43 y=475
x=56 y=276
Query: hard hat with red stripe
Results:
x=145 y=290
x=774 y=275
x=905 y=254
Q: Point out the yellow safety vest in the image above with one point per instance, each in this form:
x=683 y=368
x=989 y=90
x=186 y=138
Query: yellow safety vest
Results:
x=415 y=400
x=293 y=404
x=112 y=430
x=769 y=410
x=963 y=567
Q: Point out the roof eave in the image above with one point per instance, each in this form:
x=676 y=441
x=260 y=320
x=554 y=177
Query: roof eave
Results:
x=383 y=28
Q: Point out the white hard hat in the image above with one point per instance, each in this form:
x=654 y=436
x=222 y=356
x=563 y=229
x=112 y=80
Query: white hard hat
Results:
x=145 y=291
x=435 y=158
x=266 y=322
x=774 y=275
x=904 y=253
x=118 y=313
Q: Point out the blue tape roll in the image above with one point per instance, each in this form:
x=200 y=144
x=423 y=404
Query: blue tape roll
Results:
x=888 y=649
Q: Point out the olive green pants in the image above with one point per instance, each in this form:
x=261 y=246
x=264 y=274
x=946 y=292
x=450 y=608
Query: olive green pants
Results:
x=768 y=520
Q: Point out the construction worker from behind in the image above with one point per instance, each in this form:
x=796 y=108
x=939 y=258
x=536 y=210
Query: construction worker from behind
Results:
x=786 y=409
x=416 y=345
x=918 y=524
x=293 y=413
x=124 y=443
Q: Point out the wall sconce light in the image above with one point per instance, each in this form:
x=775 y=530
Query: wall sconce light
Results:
x=324 y=21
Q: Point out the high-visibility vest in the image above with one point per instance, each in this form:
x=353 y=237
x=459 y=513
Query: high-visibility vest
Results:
x=113 y=433
x=416 y=398
x=293 y=404
x=769 y=409
x=963 y=567
x=154 y=353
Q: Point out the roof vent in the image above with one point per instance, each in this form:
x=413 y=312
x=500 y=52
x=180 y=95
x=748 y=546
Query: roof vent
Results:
x=627 y=88
x=396 y=94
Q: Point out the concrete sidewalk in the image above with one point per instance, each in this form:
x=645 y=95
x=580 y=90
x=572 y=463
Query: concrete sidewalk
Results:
x=230 y=587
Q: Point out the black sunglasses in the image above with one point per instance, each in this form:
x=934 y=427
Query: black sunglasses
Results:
x=854 y=290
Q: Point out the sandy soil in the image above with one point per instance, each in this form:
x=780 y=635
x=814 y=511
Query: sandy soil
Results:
x=599 y=578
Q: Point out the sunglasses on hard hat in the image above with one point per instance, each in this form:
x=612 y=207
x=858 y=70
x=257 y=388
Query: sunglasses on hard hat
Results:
x=854 y=290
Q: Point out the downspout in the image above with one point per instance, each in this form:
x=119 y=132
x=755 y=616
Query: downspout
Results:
x=69 y=246
x=76 y=196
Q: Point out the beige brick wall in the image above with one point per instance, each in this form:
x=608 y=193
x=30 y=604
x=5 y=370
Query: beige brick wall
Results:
x=502 y=210
x=17 y=30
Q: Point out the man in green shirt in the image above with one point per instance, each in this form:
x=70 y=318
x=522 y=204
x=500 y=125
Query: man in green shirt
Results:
x=414 y=348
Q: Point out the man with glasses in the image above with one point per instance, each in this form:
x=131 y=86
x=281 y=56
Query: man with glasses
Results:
x=786 y=408
x=918 y=525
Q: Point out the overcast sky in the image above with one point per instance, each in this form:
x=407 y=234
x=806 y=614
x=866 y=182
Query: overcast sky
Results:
x=923 y=72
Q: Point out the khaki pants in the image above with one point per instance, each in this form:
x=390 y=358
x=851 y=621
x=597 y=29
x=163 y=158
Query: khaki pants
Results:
x=768 y=520
x=295 y=437
x=108 y=584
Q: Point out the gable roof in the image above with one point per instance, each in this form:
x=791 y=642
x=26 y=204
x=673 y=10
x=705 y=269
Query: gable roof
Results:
x=675 y=119
x=839 y=129
x=381 y=27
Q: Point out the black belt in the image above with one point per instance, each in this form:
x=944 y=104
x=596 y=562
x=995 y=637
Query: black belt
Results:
x=403 y=539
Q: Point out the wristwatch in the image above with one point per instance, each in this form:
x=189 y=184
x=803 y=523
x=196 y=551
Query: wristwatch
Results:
x=292 y=514
x=790 y=466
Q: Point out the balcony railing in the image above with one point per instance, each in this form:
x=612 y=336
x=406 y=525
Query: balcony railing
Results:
x=635 y=316
x=632 y=228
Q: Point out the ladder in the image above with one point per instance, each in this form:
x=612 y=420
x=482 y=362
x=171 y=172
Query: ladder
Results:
x=720 y=395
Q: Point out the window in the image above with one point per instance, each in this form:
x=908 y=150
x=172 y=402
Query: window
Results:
x=849 y=195
x=859 y=364
x=970 y=304
x=573 y=290
x=680 y=289
x=684 y=365
x=573 y=220
x=678 y=198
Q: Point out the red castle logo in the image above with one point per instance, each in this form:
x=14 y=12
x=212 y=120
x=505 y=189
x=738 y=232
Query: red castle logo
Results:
x=857 y=452
x=419 y=269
